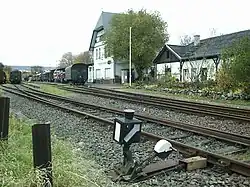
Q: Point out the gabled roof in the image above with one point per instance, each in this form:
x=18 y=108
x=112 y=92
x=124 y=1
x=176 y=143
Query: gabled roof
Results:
x=209 y=47
x=102 y=23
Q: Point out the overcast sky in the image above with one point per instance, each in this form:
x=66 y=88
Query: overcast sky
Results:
x=38 y=32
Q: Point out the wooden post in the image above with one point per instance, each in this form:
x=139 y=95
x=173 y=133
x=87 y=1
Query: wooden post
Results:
x=4 y=117
x=42 y=151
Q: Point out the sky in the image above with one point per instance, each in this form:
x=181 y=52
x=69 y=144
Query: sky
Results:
x=38 y=32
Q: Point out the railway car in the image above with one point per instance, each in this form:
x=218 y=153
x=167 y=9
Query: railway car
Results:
x=51 y=75
x=45 y=76
x=59 y=75
x=15 y=77
x=76 y=73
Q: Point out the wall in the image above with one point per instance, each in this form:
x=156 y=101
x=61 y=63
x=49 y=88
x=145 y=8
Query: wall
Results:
x=104 y=68
x=187 y=67
x=198 y=64
x=174 y=66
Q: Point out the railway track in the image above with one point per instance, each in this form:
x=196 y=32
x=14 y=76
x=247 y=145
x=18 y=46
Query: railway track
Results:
x=181 y=140
x=210 y=132
x=238 y=114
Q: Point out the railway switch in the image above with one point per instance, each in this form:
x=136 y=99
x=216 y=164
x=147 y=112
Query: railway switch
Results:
x=127 y=130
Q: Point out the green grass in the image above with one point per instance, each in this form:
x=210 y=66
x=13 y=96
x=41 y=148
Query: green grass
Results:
x=70 y=166
x=52 y=89
x=195 y=98
x=242 y=156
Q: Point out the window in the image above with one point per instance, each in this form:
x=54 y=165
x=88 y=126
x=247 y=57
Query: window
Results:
x=107 y=52
x=98 y=73
x=185 y=74
x=168 y=55
x=107 y=73
x=204 y=74
x=97 y=39
x=101 y=37
x=99 y=55
x=167 y=70
x=193 y=73
x=96 y=54
x=103 y=53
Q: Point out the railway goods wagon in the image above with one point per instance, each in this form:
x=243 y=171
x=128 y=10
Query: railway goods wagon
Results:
x=45 y=76
x=15 y=77
x=59 y=76
x=77 y=73
x=2 y=77
x=51 y=76
x=37 y=77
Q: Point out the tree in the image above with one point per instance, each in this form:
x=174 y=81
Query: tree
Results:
x=236 y=65
x=186 y=40
x=83 y=58
x=36 y=69
x=149 y=34
x=66 y=60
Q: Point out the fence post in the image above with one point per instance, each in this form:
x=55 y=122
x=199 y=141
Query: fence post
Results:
x=4 y=117
x=42 y=151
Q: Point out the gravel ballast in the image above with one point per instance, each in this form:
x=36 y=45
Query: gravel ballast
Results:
x=93 y=137
x=206 y=121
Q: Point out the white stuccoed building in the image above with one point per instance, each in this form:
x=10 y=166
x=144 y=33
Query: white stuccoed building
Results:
x=201 y=57
x=104 y=68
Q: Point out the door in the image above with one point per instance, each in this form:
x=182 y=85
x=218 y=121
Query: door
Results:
x=98 y=73
x=124 y=76
x=107 y=73
x=90 y=74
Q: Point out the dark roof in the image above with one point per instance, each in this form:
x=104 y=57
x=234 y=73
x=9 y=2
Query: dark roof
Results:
x=103 y=23
x=209 y=47
x=180 y=50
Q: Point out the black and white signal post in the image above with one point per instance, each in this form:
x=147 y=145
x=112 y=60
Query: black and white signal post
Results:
x=127 y=130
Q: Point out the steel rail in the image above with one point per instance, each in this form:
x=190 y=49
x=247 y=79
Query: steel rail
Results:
x=188 y=109
x=162 y=99
x=210 y=132
x=231 y=164
x=177 y=101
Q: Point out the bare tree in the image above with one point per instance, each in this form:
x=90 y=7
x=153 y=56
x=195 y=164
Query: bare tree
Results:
x=36 y=69
x=186 y=40
x=66 y=60
x=83 y=57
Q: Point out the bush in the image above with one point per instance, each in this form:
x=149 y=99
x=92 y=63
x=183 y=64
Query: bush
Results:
x=167 y=80
x=224 y=80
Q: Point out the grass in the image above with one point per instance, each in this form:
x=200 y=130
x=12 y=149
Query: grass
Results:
x=70 y=166
x=242 y=156
x=195 y=98
x=53 y=89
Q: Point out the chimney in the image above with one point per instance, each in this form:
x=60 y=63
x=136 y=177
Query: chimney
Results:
x=196 y=40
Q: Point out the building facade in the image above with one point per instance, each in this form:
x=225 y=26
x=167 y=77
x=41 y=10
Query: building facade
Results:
x=197 y=60
x=105 y=69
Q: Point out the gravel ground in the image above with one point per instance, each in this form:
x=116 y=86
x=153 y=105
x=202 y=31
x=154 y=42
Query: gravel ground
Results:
x=206 y=143
x=93 y=137
x=206 y=121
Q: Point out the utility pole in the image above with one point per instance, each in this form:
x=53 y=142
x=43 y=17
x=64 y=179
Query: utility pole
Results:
x=130 y=57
